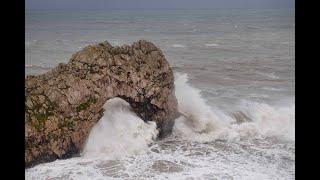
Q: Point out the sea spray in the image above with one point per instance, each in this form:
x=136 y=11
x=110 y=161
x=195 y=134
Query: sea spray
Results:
x=119 y=132
x=231 y=74
x=201 y=122
x=271 y=120
x=121 y=145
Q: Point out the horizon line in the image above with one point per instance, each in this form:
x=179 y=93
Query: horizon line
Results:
x=159 y=8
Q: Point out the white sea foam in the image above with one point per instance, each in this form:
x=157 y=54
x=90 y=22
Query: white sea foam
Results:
x=119 y=132
x=29 y=65
x=199 y=122
x=272 y=89
x=117 y=42
x=212 y=45
x=184 y=156
x=277 y=121
x=178 y=45
x=204 y=123
x=268 y=75
x=37 y=66
x=122 y=146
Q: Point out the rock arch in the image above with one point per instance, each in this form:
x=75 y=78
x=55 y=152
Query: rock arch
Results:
x=63 y=104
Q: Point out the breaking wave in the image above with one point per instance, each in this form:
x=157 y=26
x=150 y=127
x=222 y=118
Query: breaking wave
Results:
x=206 y=142
x=201 y=122
x=119 y=132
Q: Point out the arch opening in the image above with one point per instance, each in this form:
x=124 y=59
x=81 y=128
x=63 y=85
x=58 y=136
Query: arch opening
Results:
x=119 y=132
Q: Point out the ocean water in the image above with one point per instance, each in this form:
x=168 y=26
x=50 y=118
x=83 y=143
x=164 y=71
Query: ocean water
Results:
x=235 y=84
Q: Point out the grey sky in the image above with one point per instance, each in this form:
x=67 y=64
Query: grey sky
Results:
x=156 y=4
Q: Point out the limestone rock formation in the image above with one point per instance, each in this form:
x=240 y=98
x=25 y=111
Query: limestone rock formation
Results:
x=63 y=104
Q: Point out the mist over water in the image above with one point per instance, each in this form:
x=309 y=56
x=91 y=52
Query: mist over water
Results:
x=234 y=82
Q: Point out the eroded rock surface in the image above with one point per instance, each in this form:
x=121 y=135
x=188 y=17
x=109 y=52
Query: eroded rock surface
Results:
x=63 y=104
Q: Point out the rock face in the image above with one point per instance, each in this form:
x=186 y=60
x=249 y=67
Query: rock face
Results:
x=63 y=104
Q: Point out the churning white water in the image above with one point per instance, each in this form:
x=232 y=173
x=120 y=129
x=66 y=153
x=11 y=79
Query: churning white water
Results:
x=206 y=142
x=237 y=100
x=204 y=123
x=119 y=132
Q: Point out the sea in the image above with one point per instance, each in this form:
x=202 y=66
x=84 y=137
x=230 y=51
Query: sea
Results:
x=234 y=81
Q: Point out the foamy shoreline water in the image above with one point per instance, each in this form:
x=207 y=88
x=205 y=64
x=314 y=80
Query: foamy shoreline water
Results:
x=121 y=140
x=235 y=88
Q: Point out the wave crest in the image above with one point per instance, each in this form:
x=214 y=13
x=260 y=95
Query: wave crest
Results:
x=200 y=122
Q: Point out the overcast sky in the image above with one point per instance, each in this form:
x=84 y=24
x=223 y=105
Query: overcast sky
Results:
x=156 y=4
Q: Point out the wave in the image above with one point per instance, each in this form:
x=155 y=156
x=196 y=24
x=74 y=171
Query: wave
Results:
x=212 y=45
x=37 y=66
x=120 y=132
x=253 y=27
x=178 y=46
x=271 y=121
x=268 y=75
x=200 y=122
x=272 y=89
